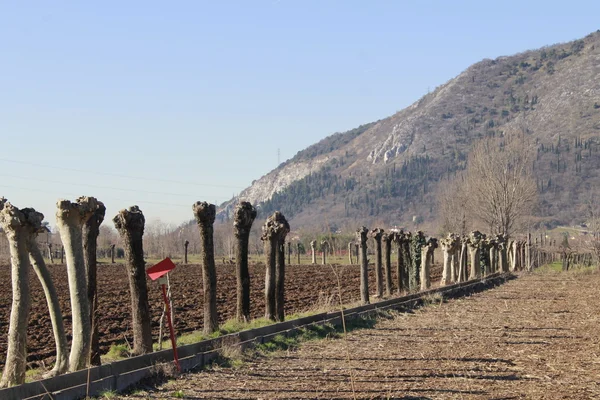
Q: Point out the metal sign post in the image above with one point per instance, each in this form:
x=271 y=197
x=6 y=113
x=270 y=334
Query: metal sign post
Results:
x=159 y=271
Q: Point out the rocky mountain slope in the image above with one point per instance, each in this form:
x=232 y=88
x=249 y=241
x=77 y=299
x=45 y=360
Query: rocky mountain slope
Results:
x=388 y=171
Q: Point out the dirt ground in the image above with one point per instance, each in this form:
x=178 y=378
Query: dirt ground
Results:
x=307 y=287
x=536 y=337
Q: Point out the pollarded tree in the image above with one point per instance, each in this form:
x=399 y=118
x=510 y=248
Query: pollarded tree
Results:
x=376 y=234
x=426 y=261
x=13 y=224
x=243 y=217
x=70 y=218
x=205 y=214
x=361 y=237
x=387 y=264
x=324 y=250
x=273 y=229
x=91 y=230
x=312 y=250
x=449 y=246
x=284 y=229
x=130 y=225
x=34 y=221
x=417 y=241
x=474 y=244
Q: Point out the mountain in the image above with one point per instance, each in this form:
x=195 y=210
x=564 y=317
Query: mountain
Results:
x=388 y=171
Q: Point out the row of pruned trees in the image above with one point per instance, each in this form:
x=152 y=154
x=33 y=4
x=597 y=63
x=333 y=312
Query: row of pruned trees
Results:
x=79 y=225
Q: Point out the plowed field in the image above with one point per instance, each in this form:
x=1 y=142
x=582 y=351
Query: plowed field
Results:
x=307 y=287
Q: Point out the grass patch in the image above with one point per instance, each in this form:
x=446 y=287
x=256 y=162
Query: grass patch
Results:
x=552 y=268
x=116 y=352
x=293 y=339
x=229 y=326
x=108 y=394
x=34 y=374
x=433 y=299
x=574 y=270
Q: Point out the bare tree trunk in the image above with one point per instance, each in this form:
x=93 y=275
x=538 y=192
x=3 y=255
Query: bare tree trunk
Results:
x=462 y=273
x=205 y=217
x=91 y=230
x=112 y=253
x=361 y=236
x=283 y=229
x=515 y=252
x=528 y=252
x=446 y=272
x=185 y=251
x=12 y=221
x=289 y=249
x=50 y=255
x=350 y=253
x=273 y=228
x=324 y=249
x=376 y=234
x=448 y=245
x=454 y=265
x=70 y=218
x=270 y=267
x=474 y=242
x=402 y=239
x=387 y=265
x=243 y=218
x=56 y=318
x=130 y=225
x=417 y=242
x=62 y=254
x=312 y=249
x=425 y=267
x=426 y=261
x=298 y=248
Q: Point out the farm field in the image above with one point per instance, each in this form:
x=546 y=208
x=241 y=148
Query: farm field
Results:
x=535 y=337
x=308 y=287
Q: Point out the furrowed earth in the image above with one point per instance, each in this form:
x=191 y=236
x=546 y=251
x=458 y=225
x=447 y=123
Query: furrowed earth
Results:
x=308 y=287
x=535 y=337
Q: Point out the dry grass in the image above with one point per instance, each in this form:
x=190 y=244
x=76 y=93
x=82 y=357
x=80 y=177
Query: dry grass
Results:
x=534 y=337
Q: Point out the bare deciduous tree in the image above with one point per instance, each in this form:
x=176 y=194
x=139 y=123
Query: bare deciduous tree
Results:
x=500 y=184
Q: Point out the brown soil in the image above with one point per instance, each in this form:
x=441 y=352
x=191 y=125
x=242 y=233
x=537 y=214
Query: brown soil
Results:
x=307 y=287
x=535 y=337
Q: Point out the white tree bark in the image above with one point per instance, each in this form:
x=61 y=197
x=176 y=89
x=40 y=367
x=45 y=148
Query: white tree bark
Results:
x=13 y=223
x=70 y=218
x=36 y=258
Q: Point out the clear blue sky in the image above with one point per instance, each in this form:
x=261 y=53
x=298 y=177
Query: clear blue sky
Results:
x=196 y=97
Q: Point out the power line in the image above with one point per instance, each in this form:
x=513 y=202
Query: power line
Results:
x=118 y=175
x=113 y=198
x=107 y=187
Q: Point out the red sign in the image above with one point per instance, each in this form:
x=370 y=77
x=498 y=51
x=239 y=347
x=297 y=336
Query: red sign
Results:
x=160 y=269
x=155 y=272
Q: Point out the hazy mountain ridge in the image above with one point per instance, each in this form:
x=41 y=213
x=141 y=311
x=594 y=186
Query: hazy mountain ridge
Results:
x=388 y=170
